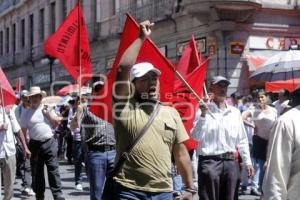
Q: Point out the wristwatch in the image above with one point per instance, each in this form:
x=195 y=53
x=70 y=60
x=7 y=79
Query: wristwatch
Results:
x=191 y=190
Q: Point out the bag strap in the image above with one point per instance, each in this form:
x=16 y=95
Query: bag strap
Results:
x=141 y=133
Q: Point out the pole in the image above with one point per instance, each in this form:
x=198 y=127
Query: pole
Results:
x=79 y=49
x=192 y=91
x=51 y=65
x=2 y=104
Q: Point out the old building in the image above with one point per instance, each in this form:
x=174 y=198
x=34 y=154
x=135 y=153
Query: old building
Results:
x=236 y=35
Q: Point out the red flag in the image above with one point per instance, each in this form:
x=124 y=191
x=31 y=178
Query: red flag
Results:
x=186 y=103
x=9 y=97
x=190 y=59
x=101 y=106
x=64 y=44
x=150 y=53
x=18 y=85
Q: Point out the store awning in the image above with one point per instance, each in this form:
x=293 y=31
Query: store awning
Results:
x=276 y=86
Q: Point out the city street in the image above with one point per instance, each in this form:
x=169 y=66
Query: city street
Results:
x=67 y=174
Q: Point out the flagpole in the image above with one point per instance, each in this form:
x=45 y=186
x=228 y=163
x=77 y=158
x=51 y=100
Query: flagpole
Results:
x=79 y=50
x=192 y=91
x=2 y=104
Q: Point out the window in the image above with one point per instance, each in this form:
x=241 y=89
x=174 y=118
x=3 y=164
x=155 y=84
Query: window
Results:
x=31 y=28
x=64 y=9
x=116 y=6
x=98 y=10
x=1 y=43
x=22 y=35
x=52 y=17
x=41 y=25
x=14 y=38
x=7 y=40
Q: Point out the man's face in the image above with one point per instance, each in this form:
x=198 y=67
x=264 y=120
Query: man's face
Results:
x=147 y=86
x=25 y=101
x=35 y=100
x=220 y=91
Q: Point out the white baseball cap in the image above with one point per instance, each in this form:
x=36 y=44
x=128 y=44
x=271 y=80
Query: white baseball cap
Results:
x=140 y=69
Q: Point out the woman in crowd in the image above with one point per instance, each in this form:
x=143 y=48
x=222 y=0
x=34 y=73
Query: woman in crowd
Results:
x=263 y=117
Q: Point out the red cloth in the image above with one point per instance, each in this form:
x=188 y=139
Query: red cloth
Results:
x=190 y=58
x=18 y=85
x=150 y=53
x=101 y=105
x=9 y=97
x=64 y=45
x=186 y=103
x=275 y=86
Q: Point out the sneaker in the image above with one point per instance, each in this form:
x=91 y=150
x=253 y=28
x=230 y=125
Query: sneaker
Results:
x=255 y=192
x=78 y=187
x=28 y=192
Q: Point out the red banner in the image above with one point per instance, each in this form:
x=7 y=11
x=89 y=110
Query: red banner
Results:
x=64 y=44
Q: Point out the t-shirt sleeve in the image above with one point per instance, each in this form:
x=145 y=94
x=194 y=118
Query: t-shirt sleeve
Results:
x=23 y=120
x=181 y=135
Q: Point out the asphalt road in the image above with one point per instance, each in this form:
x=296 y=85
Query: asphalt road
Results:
x=67 y=177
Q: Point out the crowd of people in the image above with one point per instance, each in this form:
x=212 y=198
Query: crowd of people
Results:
x=244 y=141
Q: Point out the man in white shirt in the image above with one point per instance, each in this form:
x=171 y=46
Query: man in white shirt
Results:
x=39 y=121
x=282 y=175
x=282 y=102
x=219 y=133
x=9 y=126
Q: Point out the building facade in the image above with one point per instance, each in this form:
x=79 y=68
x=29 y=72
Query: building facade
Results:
x=231 y=33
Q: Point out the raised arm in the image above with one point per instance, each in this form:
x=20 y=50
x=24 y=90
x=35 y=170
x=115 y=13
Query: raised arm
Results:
x=128 y=59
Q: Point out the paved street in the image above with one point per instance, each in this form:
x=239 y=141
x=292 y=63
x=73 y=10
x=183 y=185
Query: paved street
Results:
x=67 y=175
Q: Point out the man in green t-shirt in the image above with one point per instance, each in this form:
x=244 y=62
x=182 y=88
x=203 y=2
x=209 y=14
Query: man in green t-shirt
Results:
x=146 y=174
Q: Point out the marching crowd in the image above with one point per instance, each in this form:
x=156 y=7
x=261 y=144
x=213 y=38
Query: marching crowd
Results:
x=246 y=141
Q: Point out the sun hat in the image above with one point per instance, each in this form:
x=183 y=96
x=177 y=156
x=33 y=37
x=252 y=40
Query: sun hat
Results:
x=140 y=69
x=34 y=90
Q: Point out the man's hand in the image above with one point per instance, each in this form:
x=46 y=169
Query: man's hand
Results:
x=145 y=28
x=27 y=153
x=4 y=127
x=250 y=170
x=203 y=107
x=187 y=196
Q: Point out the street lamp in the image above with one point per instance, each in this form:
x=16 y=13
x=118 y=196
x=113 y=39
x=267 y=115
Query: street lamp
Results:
x=49 y=60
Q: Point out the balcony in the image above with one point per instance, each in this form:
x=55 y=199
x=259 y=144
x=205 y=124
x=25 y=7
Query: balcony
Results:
x=152 y=10
x=7 y=4
x=225 y=10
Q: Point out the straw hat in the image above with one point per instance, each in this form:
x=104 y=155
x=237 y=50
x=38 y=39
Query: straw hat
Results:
x=36 y=90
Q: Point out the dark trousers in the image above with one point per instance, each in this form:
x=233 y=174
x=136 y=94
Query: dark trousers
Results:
x=78 y=157
x=45 y=153
x=217 y=179
x=26 y=173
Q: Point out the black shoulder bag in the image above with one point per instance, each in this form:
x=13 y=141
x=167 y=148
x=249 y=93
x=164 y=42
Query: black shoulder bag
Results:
x=108 y=190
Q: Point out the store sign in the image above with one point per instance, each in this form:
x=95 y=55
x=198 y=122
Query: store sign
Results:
x=274 y=43
x=41 y=77
x=236 y=48
x=200 y=42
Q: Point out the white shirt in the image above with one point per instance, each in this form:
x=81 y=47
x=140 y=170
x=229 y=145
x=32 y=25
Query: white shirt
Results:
x=37 y=124
x=282 y=176
x=280 y=106
x=264 y=121
x=221 y=134
x=7 y=140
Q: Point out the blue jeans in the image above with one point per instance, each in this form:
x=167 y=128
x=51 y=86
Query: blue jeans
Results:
x=177 y=180
x=124 y=193
x=258 y=166
x=78 y=157
x=98 y=166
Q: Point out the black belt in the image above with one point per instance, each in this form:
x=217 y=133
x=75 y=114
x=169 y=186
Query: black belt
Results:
x=101 y=148
x=223 y=156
